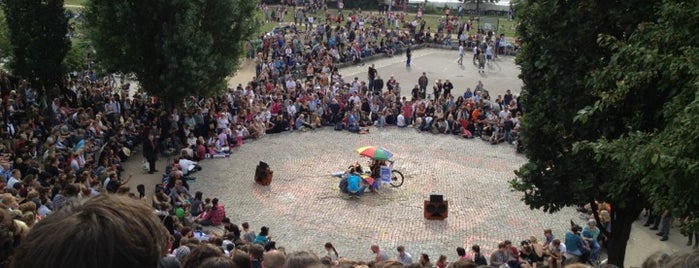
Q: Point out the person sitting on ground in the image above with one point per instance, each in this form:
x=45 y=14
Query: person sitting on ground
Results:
x=301 y=123
x=380 y=255
x=352 y=184
x=273 y=259
x=539 y=249
x=527 y=256
x=248 y=234
x=576 y=246
x=557 y=253
x=263 y=237
x=499 y=256
x=215 y=216
x=126 y=232
x=187 y=166
x=302 y=259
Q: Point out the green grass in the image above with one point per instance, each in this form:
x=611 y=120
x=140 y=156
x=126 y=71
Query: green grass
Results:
x=432 y=20
x=75 y=2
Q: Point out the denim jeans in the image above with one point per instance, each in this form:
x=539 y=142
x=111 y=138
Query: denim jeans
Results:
x=595 y=248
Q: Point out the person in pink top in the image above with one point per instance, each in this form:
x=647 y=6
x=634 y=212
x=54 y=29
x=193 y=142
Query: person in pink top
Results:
x=463 y=255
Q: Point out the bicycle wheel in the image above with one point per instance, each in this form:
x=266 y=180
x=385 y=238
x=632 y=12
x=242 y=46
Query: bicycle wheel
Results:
x=396 y=178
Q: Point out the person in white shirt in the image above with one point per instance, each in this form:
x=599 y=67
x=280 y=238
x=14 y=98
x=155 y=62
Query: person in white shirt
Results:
x=14 y=179
x=291 y=109
x=461 y=55
x=187 y=166
x=400 y=120
x=290 y=84
x=404 y=257
x=355 y=99
x=558 y=251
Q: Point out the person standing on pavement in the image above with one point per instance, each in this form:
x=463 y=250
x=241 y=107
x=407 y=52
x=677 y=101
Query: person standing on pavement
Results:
x=461 y=55
x=371 y=75
x=481 y=61
x=446 y=89
x=408 y=54
x=404 y=257
x=422 y=82
x=665 y=222
x=378 y=85
x=475 y=54
x=690 y=230
x=150 y=152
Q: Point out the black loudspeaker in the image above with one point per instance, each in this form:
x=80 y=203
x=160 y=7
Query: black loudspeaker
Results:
x=437 y=198
x=436 y=208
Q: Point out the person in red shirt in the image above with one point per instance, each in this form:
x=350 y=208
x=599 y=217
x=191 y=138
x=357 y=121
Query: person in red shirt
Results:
x=408 y=112
x=215 y=216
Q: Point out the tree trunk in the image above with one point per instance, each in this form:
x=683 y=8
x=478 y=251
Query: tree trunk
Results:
x=622 y=220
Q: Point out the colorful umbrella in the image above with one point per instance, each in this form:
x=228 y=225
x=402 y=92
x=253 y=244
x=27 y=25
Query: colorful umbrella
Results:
x=375 y=152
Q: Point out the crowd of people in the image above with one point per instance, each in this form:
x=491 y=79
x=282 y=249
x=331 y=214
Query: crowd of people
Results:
x=62 y=149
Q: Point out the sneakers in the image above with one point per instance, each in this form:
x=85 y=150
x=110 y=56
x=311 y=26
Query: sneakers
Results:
x=659 y=233
x=663 y=239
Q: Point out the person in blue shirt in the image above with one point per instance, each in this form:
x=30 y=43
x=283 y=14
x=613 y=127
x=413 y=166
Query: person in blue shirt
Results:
x=591 y=234
x=575 y=245
x=355 y=187
x=263 y=237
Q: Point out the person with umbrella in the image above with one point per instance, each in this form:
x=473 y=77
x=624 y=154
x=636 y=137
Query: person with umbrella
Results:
x=379 y=156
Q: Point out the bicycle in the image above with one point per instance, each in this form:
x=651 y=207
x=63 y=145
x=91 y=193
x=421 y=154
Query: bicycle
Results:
x=396 y=176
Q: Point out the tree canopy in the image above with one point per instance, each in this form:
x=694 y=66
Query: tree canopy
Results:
x=5 y=46
x=176 y=48
x=560 y=59
x=653 y=75
x=38 y=41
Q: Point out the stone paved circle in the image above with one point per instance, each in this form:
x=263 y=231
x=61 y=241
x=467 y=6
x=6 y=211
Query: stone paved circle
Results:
x=304 y=208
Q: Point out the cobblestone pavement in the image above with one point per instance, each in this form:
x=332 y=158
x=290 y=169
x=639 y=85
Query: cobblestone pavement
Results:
x=304 y=208
x=499 y=76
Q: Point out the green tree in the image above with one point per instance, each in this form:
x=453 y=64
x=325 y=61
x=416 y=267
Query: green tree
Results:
x=558 y=57
x=176 y=48
x=38 y=39
x=653 y=77
x=5 y=46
